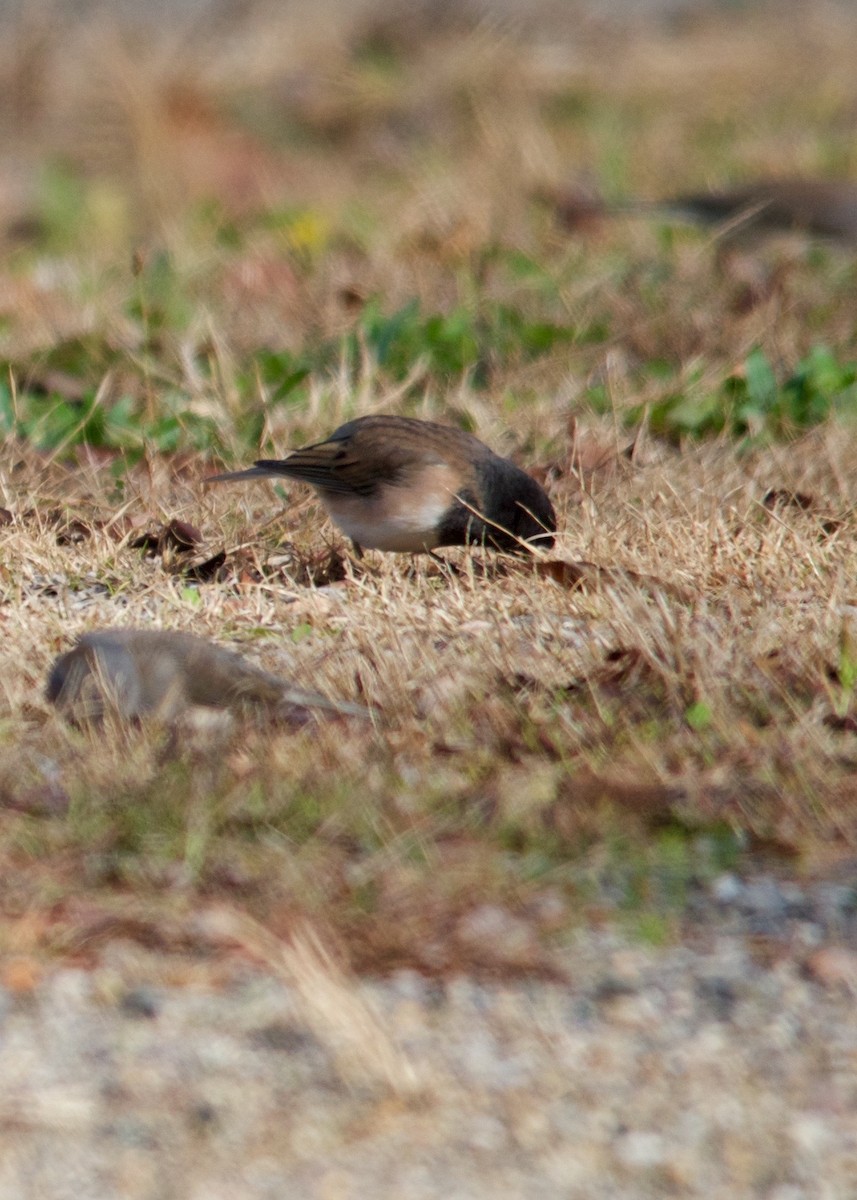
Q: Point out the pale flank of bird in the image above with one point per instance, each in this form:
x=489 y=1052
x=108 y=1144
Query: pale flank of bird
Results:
x=401 y=484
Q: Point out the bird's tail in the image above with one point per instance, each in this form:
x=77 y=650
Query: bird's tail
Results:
x=298 y=698
x=260 y=471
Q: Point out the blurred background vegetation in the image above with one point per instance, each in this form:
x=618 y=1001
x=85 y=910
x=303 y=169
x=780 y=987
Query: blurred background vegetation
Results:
x=209 y=208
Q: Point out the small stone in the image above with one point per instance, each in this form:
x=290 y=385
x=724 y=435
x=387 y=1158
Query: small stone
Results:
x=485 y=1132
x=140 y=1002
x=787 y=1191
x=727 y=888
x=133 y=1133
x=408 y=985
x=633 y=1012
x=280 y=1036
x=796 y=900
x=719 y=995
x=810 y=1133
x=640 y=1150
x=764 y=898
x=550 y=909
x=202 y=1115
x=610 y=988
x=494 y=928
x=808 y=934
x=835 y=899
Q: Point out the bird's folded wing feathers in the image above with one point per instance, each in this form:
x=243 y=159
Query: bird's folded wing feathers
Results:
x=356 y=463
x=329 y=465
x=326 y=466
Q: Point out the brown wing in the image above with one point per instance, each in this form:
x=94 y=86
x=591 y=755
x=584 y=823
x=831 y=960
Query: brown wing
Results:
x=333 y=466
x=317 y=465
x=384 y=449
x=369 y=451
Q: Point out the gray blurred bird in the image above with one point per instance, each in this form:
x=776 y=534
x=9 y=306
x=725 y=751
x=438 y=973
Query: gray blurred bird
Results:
x=135 y=673
x=404 y=485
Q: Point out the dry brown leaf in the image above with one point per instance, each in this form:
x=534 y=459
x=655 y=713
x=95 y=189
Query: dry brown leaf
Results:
x=574 y=574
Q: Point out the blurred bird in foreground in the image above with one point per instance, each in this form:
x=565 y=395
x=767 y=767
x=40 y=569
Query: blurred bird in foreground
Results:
x=823 y=207
x=401 y=484
x=134 y=673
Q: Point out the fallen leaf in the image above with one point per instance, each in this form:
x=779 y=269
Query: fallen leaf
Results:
x=841 y=724
x=207 y=571
x=785 y=498
x=70 y=530
x=149 y=542
x=574 y=574
x=181 y=536
x=176 y=535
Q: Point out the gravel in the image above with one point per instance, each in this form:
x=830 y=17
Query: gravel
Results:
x=725 y=1066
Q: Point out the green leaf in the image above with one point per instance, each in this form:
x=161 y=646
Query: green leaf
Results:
x=698 y=716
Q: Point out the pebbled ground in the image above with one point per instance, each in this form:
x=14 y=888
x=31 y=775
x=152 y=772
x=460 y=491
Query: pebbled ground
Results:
x=723 y=1067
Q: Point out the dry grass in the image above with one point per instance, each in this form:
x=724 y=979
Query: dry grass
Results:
x=531 y=740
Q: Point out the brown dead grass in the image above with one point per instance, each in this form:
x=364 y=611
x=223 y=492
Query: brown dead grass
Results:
x=514 y=717
x=525 y=719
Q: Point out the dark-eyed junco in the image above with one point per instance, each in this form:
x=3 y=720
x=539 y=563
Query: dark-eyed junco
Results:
x=400 y=484
x=135 y=673
x=824 y=207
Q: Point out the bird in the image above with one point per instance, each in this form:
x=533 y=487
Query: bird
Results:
x=140 y=673
x=823 y=207
x=408 y=486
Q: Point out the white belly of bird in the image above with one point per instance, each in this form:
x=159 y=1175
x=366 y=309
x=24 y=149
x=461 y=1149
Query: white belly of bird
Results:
x=386 y=523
